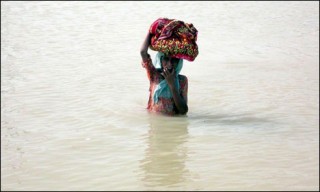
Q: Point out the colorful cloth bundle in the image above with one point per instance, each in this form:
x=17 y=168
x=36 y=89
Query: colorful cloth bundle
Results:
x=174 y=38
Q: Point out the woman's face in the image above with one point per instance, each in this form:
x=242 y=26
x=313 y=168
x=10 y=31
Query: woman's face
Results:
x=169 y=62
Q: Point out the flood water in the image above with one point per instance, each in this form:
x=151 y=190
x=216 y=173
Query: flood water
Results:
x=74 y=98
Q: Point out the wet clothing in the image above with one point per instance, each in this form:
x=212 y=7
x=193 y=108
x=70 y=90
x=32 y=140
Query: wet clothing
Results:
x=163 y=103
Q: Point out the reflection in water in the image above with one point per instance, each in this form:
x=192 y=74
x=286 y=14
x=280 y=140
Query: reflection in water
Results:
x=164 y=162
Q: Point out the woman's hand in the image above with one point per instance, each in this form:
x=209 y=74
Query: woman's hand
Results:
x=169 y=76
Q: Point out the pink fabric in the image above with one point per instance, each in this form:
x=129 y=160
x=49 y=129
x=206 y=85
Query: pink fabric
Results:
x=174 y=38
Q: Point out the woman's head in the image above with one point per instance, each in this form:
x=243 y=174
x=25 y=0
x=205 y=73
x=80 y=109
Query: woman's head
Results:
x=169 y=62
x=164 y=61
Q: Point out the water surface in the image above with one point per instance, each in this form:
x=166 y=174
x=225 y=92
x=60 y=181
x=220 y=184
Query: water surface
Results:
x=74 y=93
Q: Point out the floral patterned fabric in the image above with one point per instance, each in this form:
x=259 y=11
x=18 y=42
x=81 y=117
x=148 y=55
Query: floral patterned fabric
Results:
x=164 y=105
x=175 y=38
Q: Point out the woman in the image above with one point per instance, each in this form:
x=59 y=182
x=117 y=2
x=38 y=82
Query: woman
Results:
x=168 y=89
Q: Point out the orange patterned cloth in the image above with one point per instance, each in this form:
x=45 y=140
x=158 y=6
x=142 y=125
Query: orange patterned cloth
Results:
x=174 y=38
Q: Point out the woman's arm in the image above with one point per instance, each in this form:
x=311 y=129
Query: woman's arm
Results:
x=144 y=47
x=180 y=103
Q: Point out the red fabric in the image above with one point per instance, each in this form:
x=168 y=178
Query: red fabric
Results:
x=174 y=38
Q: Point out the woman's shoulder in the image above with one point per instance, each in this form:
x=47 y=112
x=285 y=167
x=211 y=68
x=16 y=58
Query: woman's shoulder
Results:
x=182 y=78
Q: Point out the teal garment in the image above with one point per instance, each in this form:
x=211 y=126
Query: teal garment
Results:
x=162 y=89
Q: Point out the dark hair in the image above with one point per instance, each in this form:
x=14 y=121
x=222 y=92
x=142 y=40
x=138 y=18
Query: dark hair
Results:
x=173 y=59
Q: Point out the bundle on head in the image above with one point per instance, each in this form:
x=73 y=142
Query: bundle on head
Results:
x=174 y=38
